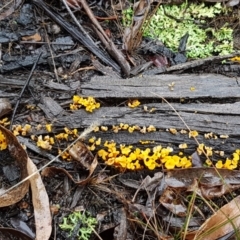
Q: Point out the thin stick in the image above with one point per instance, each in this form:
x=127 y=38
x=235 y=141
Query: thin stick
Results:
x=76 y=21
x=23 y=89
x=51 y=52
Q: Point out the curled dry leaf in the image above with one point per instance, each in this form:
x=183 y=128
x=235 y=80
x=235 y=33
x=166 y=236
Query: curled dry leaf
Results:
x=211 y=182
x=171 y=200
x=20 y=156
x=81 y=154
x=224 y=221
x=51 y=171
x=41 y=205
x=5 y=106
x=11 y=233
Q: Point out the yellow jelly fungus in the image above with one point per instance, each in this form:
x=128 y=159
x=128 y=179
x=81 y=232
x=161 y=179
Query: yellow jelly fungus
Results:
x=3 y=141
x=237 y=151
x=150 y=163
x=208 y=151
x=68 y=131
x=89 y=103
x=133 y=103
x=183 y=146
x=151 y=128
x=92 y=139
x=126 y=157
x=183 y=131
x=219 y=164
x=144 y=142
x=96 y=129
x=209 y=162
x=65 y=155
x=192 y=88
x=75 y=132
x=5 y=122
x=104 y=128
x=143 y=130
x=43 y=143
x=200 y=148
x=224 y=136
x=193 y=133
x=125 y=150
x=221 y=153
x=173 y=131
x=49 y=127
x=116 y=128
x=235 y=59
x=51 y=140
x=229 y=164
x=38 y=127
x=62 y=136
x=18 y=129
x=98 y=142
x=170 y=164
x=92 y=148
x=131 y=129
x=125 y=126
x=152 y=110
x=103 y=154
x=185 y=163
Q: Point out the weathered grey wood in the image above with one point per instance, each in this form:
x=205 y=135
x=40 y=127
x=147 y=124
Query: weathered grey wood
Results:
x=216 y=118
x=50 y=107
x=206 y=86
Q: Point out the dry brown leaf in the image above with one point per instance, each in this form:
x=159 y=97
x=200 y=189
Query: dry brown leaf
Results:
x=35 y=38
x=5 y=106
x=41 y=205
x=172 y=201
x=14 y=234
x=224 y=221
x=51 y=171
x=21 y=157
x=80 y=153
x=211 y=182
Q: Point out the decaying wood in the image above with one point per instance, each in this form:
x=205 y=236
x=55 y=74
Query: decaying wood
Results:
x=201 y=117
x=50 y=107
x=187 y=86
x=222 y=118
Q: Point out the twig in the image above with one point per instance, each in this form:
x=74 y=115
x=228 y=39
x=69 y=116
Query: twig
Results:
x=76 y=21
x=51 y=52
x=108 y=43
x=23 y=89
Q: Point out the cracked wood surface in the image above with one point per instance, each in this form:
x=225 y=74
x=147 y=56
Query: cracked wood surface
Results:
x=206 y=86
x=222 y=118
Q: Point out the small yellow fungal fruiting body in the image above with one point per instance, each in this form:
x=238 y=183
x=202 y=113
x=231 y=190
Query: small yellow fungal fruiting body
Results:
x=104 y=128
x=193 y=133
x=133 y=103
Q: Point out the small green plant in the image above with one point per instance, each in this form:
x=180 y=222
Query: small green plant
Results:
x=83 y=221
x=172 y=22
